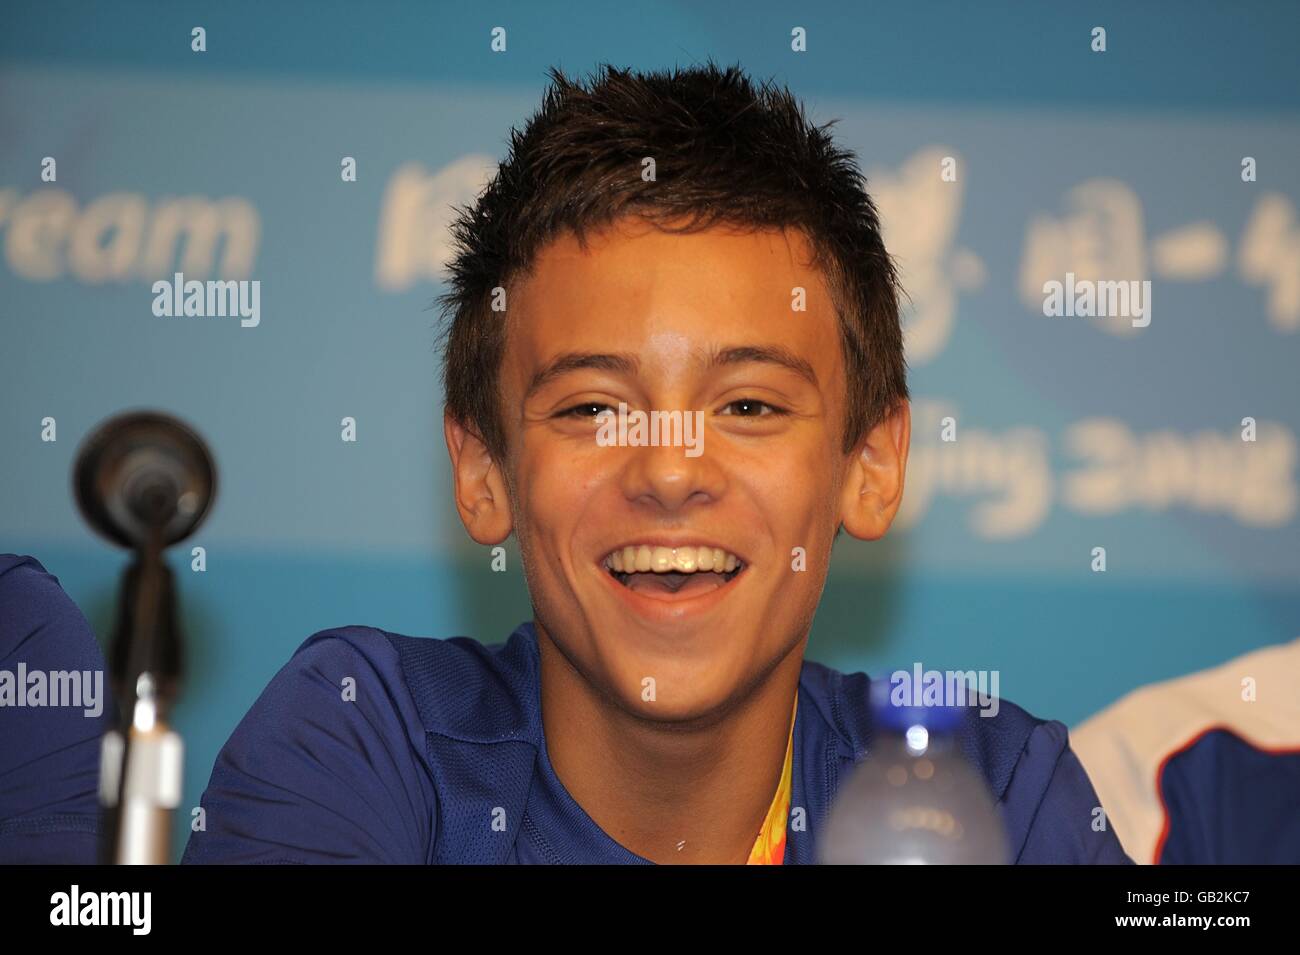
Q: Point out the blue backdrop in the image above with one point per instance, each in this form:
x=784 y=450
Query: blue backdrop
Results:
x=1072 y=433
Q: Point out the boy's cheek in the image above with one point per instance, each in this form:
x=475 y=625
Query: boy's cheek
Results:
x=567 y=468
x=553 y=482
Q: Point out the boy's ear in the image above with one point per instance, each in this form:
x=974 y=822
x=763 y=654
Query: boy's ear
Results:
x=873 y=489
x=480 y=487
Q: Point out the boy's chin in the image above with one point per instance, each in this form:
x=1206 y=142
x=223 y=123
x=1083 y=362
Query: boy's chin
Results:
x=701 y=712
x=700 y=702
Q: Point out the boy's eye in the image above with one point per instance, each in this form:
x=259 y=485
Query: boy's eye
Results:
x=741 y=408
x=751 y=408
x=588 y=409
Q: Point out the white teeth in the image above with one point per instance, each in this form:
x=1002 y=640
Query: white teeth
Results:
x=663 y=560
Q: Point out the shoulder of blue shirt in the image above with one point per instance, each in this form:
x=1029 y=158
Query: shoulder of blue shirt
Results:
x=49 y=756
x=331 y=763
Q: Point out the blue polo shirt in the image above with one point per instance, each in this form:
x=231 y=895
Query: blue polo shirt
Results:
x=373 y=747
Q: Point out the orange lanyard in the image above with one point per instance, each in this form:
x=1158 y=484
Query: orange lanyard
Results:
x=769 y=847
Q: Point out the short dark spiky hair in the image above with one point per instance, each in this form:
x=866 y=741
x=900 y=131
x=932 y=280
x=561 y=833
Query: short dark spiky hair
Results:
x=726 y=152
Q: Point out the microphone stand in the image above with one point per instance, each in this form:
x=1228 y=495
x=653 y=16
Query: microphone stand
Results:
x=145 y=481
x=140 y=771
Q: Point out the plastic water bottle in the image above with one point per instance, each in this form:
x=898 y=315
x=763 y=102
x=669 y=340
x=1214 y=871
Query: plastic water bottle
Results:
x=915 y=800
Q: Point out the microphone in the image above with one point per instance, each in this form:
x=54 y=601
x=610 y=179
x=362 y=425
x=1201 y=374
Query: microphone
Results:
x=141 y=473
x=144 y=481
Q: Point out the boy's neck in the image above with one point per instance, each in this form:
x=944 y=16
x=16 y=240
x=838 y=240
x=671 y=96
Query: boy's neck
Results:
x=669 y=792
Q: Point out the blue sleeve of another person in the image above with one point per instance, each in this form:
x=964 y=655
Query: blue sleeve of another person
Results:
x=49 y=754
x=327 y=767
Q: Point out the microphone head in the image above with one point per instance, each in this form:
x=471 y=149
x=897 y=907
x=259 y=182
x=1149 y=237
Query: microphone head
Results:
x=141 y=473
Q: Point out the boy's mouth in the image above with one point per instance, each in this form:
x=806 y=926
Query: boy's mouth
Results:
x=667 y=571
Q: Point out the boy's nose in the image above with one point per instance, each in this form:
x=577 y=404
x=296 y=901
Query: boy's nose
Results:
x=668 y=479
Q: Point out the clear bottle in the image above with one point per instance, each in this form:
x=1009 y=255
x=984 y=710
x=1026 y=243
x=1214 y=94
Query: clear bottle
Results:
x=915 y=799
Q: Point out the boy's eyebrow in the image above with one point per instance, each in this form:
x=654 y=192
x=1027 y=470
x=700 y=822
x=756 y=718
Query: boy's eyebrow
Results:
x=629 y=364
x=767 y=354
x=576 y=361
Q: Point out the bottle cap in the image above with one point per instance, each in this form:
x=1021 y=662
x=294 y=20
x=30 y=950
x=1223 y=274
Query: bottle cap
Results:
x=897 y=709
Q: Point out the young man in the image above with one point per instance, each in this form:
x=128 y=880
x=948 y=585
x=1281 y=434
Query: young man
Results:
x=674 y=372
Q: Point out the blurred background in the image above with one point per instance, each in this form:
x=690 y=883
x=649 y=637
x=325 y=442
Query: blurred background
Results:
x=1171 y=156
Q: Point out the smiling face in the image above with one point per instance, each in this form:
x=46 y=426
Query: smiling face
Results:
x=649 y=561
